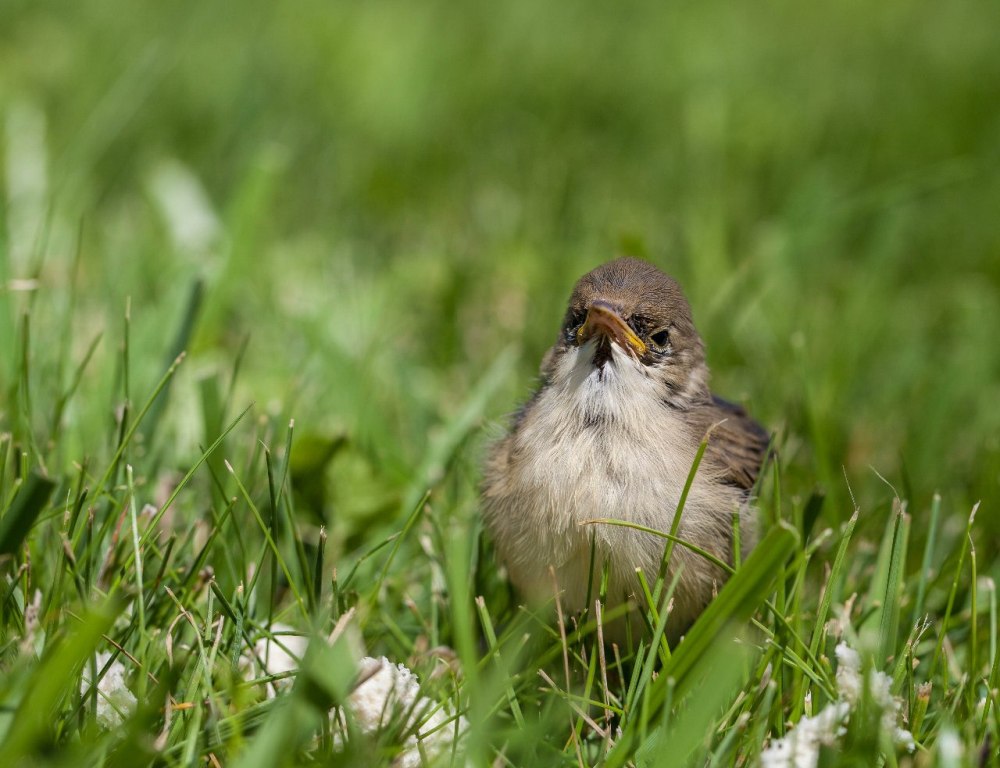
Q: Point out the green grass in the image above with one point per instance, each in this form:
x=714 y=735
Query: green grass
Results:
x=271 y=277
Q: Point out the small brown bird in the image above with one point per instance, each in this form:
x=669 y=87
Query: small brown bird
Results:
x=612 y=433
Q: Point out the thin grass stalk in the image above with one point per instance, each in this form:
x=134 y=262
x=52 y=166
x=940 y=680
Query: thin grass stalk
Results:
x=269 y=541
x=889 y=625
x=675 y=524
x=154 y=522
x=925 y=565
x=946 y=619
x=973 y=628
x=494 y=651
x=141 y=598
x=128 y=432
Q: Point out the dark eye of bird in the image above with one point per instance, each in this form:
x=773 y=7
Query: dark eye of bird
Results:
x=660 y=338
x=576 y=319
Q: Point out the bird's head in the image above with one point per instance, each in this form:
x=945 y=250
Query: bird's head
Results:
x=627 y=313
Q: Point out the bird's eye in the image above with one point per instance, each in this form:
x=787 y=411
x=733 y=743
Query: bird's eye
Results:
x=661 y=338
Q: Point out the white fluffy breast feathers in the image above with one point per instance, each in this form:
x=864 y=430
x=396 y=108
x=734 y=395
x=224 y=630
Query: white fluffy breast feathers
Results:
x=605 y=425
x=620 y=392
x=599 y=442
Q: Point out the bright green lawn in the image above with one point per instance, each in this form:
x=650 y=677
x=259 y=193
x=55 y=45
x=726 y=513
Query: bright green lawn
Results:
x=366 y=217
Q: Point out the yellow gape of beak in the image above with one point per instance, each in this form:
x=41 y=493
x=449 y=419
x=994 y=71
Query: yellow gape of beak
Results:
x=603 y=319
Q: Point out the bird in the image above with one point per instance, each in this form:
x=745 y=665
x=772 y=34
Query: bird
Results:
x=612 y=432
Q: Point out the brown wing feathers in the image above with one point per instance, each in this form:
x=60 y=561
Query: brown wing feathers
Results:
x=738 y=444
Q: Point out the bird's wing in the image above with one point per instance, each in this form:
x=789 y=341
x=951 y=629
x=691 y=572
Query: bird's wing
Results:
x=737 y=446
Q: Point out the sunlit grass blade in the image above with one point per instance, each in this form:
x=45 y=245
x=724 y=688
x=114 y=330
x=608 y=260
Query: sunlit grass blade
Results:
x=64 y=398
x=927 y=563
x=263 y=527
x=889 y=619
x=949 y=608
x=190 y=473
x=494 y=651
x=675 y=522
x=129 y=431
x=53 y=679
x=832 y=581
x=182 y=338
x=743 y=594
x=720 y=672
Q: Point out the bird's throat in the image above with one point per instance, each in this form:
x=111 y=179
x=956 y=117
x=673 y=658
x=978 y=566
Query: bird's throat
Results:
x=602 y=356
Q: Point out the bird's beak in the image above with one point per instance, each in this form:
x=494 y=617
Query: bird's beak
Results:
x=603 y=319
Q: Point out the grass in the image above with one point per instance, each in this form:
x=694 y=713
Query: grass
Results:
x=270 y=280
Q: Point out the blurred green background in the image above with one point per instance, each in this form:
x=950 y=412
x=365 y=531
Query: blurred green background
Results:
x=382 y=197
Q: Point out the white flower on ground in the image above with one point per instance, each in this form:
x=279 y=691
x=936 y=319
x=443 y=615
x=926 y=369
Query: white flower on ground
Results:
x=114 y=700
x=949 y=749
x=389 y=691
x=278 y=653
x=848 y=671
x=800 y=746
x=850 y=683
x=386 y=694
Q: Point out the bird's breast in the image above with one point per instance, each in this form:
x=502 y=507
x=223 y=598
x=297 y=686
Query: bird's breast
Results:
x=585 y=455
x=594 y=444
x=594 y=447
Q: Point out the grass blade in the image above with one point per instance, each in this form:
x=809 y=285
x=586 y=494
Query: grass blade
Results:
x=24 y=510
x=55 y=678
x=889 y=620
x=745 y=591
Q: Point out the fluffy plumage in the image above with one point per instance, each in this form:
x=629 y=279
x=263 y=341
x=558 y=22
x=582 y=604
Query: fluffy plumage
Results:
x=612 y=433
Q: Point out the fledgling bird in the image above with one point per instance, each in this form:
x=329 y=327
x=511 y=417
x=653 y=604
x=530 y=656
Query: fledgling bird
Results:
x=612 y=432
